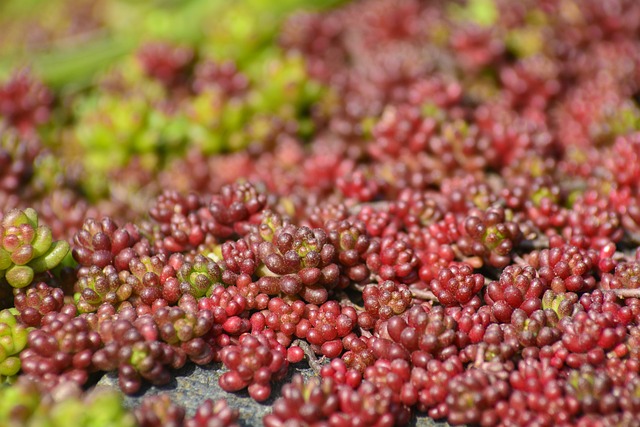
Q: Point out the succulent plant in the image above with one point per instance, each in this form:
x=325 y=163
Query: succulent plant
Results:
x=27 y=248
x=26 y=405
x=13 y=339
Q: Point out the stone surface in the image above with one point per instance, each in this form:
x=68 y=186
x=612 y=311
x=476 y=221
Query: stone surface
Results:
x=194 y=384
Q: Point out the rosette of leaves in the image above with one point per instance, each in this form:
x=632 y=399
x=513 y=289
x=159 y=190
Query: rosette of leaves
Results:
x=99 y=285
x=235 y=208
x=255 y=362
x=100 y=242
x=539 y=328
x=13 y=339
x=352 y=244
x=60 y=350
x=417 y=209
x=27 y=248
x=518 y=287
x=386 y=299
x=565 y=267
x=327 y=402
x=394 y=259
x=490 y=235
x=588 y=336
x=625 y=276
x=473 y=395
x=237 y=259
x=175 y=225
x=36 y=301
x=271 y=222
x=148 y=277
x=298 y=261
x=136 y=357
x=304 y=402
x=185 y=329
x=431 y=331
x=198 y=277
x=562 y=303
x=594 y=390
x=144 y=360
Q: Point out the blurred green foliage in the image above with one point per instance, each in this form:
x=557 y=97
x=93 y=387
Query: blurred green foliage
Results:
x=67 y=42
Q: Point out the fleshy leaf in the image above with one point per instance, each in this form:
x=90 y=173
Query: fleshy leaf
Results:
x=7 y=317
x=32 y=216
x=10 y=367
x=42 y=241
x=52 y=258
x=19 y=276
x=5 y=259
x=20 y=337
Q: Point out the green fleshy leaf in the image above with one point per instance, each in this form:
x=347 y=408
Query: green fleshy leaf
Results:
x=5 y=259
x=7 y=344
x=10 y=367
x=7 y=317
x=20 y=338
x=42 y=242
x=68 y=409
x=110 y=411
x=52 y=258
x=482 y=12
x=32 y=216
x=19 y=276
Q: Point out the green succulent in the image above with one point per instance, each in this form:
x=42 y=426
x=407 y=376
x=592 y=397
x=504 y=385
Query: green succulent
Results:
x=25 y=405
x=27 y=248
x=561 y=303
x=481 y=12
x=271 y=222
x=98 y=286
x=215 y=124
x=199 y=277
x=13 y=339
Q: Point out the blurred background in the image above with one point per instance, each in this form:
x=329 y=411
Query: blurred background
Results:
x=67 y=41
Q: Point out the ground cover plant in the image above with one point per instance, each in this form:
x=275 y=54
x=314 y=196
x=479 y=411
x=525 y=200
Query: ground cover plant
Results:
x=434 y=204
